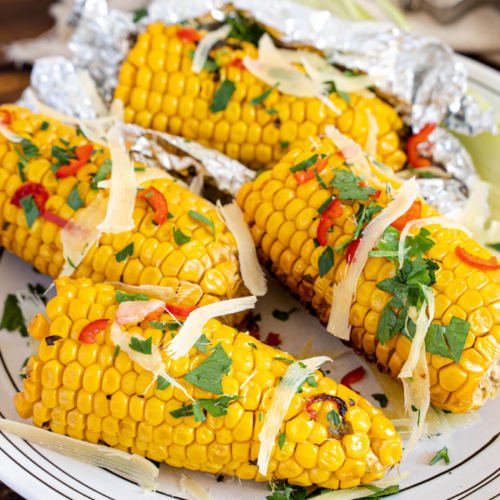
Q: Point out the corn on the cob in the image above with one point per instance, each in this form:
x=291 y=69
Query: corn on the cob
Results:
x=284 y=220
x=202 y=270
x=161 y=92
x=84 y=391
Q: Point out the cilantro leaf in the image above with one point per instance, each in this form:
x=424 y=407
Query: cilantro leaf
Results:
x=29 y=149
x=12 y=317
x=222 y=96
x=63 y=155
x=203 y=218
x=162 y=383
x=333 y=418
x=74 y=200
x=262 y=97
x=325 y=261
x=210 y=64
x=285 y=144
x=117 y=350
x=389 y=240
x=441 y=454
x=180 y=238
x=21 y=164
x=127 y=251
x=448 y=341
x=321 y=182
x=283 y=315
x=311 y=381
x=128 y=297
x=243 y=28
x=420 y=243
x=303 y=165
x=45 y=125
x=139 y=14
x=281 y=358
x=142 y=346
x=271 y=111
x=382 y=399
x=101 y=174
x=202 y=344
x=30 y=209
x=217 y=407
x=281 y=440
x=208 y=375
x=347 y=183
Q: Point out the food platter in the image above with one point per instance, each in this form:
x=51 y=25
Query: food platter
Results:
x=37 y=473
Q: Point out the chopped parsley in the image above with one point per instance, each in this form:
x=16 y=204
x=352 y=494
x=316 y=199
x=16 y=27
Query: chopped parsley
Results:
x=126 y=252
x=162 y=383
x=142 y=346
x=303 y=165
x=325 y=261
x=382 y=399
x=442 y=454
x=74 y=199
x=280 y=358
x=448 y=341
x=180 y=238
x=203 y=218
x=31 y=211
x=210 y=64
x=222 y=96
x=202 y=344
x=320 y=180
x=208 y=375
x=283 y=315
x=117 y=350
x=45 y=125
x=347 y=183
x=129 y=297
x=333 y=418
x=216 y=407
x=285 y=144
x=29 y=149
x=101 y=174
x=262 y=97
x=139 y=169
x=281 y=440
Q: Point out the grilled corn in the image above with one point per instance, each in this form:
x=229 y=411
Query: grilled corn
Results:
x=201 y=269
x=284 y=219
x=161 y=92
x=87 y=391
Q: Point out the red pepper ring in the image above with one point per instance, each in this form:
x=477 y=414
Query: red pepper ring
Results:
x=316 y=398
x=83 y=155
x=5 y=117
x=178 y=310
x=353 y=377
x=188 y=35
x=157 y=201
x=333 y=211
x=414 y=158
x=490 y=264
x=89 y=332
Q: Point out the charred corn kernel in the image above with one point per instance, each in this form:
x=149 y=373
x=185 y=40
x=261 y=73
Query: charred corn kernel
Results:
x=155 y=75
x=87 y=393
x=284 y=220
x=156 y=255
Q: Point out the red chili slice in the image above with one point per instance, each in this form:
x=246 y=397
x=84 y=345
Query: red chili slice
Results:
x=303 y=176
x=353 y=377
x=55 y=219
x=415 y=212
x=238 y=63
x=178 y=310
x=316 y=398
x=39 y=193
x=273 y=340
x=188 y=35
x=89 y=332
x=417 y=161
x=351 y=249
x=5 y=117
x=82 y=154
x=157 y=202
x=155 y=315
x=490 y=264
x=333 y=211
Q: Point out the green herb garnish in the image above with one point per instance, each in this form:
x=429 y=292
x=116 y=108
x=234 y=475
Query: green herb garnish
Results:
x=203 y=218
x=347 y=183
x=222 y=96
x=180 y=238
x=142 y=346
x=129 y=297
x=281 y=440
x=333 y=418
x=283 y=315
x=441 y=454
x=325 y=261
x=127 y=251
x=382 y=399
x=101 y=174
x=74 y=199
x=31 y=211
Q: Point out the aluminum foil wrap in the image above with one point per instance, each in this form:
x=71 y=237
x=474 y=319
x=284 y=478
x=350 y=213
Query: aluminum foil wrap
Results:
x=419 y=75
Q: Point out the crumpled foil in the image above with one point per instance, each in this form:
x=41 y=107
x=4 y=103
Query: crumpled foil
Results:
x=419 y=75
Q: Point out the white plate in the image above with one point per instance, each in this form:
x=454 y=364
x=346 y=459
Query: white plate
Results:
x=36 y=473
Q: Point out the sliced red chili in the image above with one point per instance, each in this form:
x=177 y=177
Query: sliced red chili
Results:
x=417 y=161
x=303 y=176
x=353 y=377
x=351 y=249
x=155 y=315
x=273 y=340
x=188 y=35
x=55 y=219
x=178 y=310
x=89 y=332
x=238 y=63
x=5 y=117
x=332 y=212
x=82 y=154
x=157 y=202
x=415 y=212
x=490 y=264
x=39 y=193
x=316 y=398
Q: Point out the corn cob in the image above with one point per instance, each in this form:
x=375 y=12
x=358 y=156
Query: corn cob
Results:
x=284 y=220
x=83 y=391
x=161 y=92
x=202 y=271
